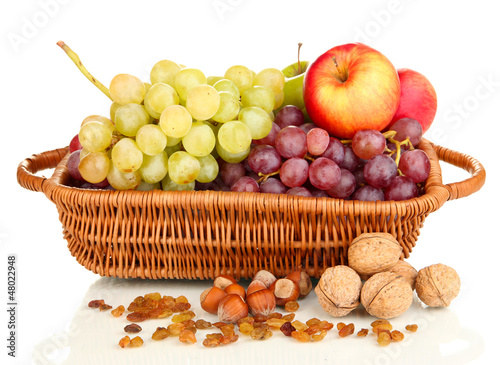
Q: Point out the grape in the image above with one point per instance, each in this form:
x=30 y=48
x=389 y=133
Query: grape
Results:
x=351 y=161
x=229 y=107
x=367 y=143
x=112 y=109
x=272 y=186
x=324 y=174
x=317 y=193
x=160 y=96
x=234 y=137
x=94 y=167
x=151 y=139
x=245 y=184
x=164 y=71
x=126 y=155
x=231 y=172
x=183 y=168
x=407 y=128
x=72 y=165
x=126 y=89
x=317 y=141
x=368 y=193
x=241 y=76
x=212 y=80
x=264 y=159
x=186 y=79
x=175 y=121
x=229 y=86
x=130 y=118
x=306 y=127
x=278 y=100
x=123 y=180
x=291 y=142
x=231 y=157
x=289 y=115
x=270 y=139
x=95 y=136
x=259 y=96
x=209 y=169
x=380 y=170
x=200 y=140
x=271 y=78
x=345 y=187
x=144 y=186
x=99 y=118
x=299 y=191
x=154 y=168
x=75 y=144
x=168 y=185
x=401 y=188
x=335 y=151
x=202 y=101
x=294 y=172
x=415 y=164
x=359 y=175
x=258 y=121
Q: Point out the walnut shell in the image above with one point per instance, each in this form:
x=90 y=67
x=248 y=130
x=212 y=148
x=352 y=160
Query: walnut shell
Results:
x=371 y=253
x=338 y=290
x=437 y=285
x=386 y=295
x=408 y=272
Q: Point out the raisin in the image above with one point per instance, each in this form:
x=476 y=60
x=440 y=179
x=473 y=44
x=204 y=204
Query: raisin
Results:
x=189 y=323
x=118 y=311
x=139 y=300
x=187 y=336
x=363 y=332
x=181 y=307
x=340 y=325
x=275 y=322
x=224 y=340
x=258 y=333
x=227 y=330
x=160 y=334
x=379 y=322
x=246 y=328
x=289 y=317
x=313 y=321
x=165 y=312
x=384 y=339
x=219 y=324
x=382 y=327
x=312 y=329
x=246 y=320
x=167 y=303
x=181 y=318
x=105 y=307
x=347 y=330
x=181 y=299
x=275 y=315
x=287 y=328
x=412 y=327
x=267 y=334
x=292 y=306
x=153 y=296
x=137 y=316
x=124 y=342
x=217 y=336
x=132 y=328
x=397 y=336
x=320 y=336
x=211 y=342
x=96 y=303
x=325 y=325
x=201 y=324
x=301 y=336
x=136 y=342
x=299 y=326
x=175 y=329
x=259 y=318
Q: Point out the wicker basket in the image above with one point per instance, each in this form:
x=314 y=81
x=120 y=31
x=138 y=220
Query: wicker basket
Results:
x=201 y=234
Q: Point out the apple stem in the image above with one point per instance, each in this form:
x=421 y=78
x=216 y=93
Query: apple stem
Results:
x=74 y=57
x=298 y=59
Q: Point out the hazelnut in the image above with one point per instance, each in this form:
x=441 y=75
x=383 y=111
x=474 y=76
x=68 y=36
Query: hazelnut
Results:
x=371 y=253
x=232 y=308
x=222 y=281
x=303 y=281
x=235 y=289
x=408 y=272
x=261 y=302
x=338 y=290
x=254 y=286
x=210 y=298
x=437 y=285
x=285 y=290
x=386 y=295
x=266 y=277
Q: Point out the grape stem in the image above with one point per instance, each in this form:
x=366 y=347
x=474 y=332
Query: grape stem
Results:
x=74 y=57
x=398 y=147
x=264 y=177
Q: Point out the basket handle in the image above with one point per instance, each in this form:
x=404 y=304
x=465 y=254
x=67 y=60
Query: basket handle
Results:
x=474 y=167
x=42 y=161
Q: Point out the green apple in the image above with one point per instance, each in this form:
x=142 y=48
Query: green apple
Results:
x=294 y=79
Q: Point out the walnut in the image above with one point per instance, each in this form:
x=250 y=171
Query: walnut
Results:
x=437 y=285
x=338 y=290
x=371 y=253
x=386 y=295
x=408 y=272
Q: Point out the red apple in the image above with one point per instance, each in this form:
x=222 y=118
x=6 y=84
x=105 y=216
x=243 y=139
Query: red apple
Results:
x=418 y=98
x=349 y=88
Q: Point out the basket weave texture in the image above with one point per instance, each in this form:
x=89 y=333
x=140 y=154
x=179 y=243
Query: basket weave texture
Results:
x=202 y=234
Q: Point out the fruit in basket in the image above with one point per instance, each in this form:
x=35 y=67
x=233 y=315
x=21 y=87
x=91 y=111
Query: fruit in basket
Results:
x=437 y=285
x=294 y=82
x=418 y=98
x=349 y=88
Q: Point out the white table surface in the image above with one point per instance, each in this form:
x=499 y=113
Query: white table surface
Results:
x=44 y=99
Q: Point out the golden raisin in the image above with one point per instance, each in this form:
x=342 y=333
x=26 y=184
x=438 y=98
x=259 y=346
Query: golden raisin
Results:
x=124 y=342
x=340 y=325
x=224 y=340
x=187 y=336
x=175 y=329
x=313 y=329
x=313 y=321
x=320 y=336
x=181 y=307
x=397 y=336
x=382 y=327
x=289 y=317
x=246 y=328
x=325 y=325
x=132 y=328
x=246 y=320
x=412 y=327
x=181 y=299
x=160 y=334
x=105 y=307
x=153 y=296
x=165 y=312
x=136 y=342
x=227 y=330
x=217 y=336
x=96 y=303
x=299 y=326
x=219 y=324
x=181 y=318
x=201 y=324
x=301 y=336
x=267 y=334
x=347 y=330
x=379 y=322
x=258 y=333
x=275 y=322
x=259 y=318
x=118 y=311
x=384 y=339
x=292 y=306
x=363 y=332
x=274 y=315
x=211 y=342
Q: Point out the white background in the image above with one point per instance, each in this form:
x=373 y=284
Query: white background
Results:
x=44 y=98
